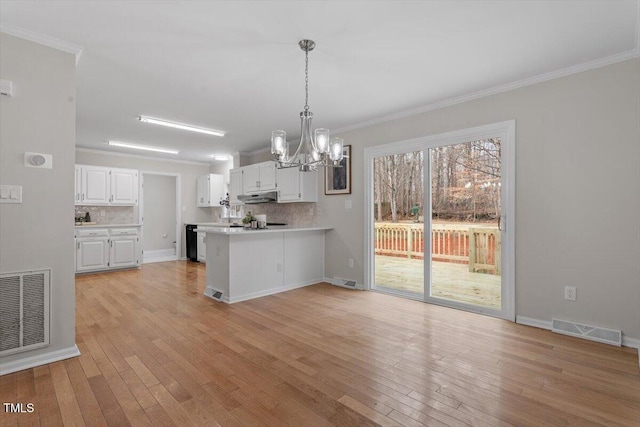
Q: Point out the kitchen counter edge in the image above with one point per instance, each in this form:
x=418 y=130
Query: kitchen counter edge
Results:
x=272 y=229
x=107 y=226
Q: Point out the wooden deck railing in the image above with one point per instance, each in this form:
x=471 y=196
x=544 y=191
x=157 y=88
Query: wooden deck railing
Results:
x=479 y=247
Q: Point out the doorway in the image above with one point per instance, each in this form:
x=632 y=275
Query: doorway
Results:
x=459 y=218
x=160 y=216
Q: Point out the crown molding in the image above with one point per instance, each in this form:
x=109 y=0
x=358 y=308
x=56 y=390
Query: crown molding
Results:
x=139 y=156
x=44 y=40
x=258 y=151
x=574 y=69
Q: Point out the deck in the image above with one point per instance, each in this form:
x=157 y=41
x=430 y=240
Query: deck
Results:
x=450 y=281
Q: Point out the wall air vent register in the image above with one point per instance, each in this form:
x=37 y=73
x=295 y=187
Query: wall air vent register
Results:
x=24 y=311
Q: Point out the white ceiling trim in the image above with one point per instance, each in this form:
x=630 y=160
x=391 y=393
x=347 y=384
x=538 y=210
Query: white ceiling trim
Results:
x=43 y=40
x=586 y=66
x=139 y=156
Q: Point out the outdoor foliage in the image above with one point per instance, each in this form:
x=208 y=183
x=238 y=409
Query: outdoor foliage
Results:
x=465 y=182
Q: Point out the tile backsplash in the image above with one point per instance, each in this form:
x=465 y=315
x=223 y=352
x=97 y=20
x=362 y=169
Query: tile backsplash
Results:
x=296 y=214
x=112 y=214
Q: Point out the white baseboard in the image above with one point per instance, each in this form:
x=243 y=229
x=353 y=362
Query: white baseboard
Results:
x=253 y=295
x=544 y=324
x=38 y=360
x=336 y=282
x=536 y=323
x=159 y=255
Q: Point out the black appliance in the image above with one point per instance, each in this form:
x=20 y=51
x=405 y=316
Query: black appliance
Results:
x=192 y=242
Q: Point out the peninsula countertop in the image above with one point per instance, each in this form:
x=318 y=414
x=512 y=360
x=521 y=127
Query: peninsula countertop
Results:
x=269 y=229
x=107 y=226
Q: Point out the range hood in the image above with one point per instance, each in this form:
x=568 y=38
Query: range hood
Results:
x=250 y=199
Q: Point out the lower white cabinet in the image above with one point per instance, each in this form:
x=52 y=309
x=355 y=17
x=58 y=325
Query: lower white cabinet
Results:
x=202 y=246
x=107 y=248
x=92 y=253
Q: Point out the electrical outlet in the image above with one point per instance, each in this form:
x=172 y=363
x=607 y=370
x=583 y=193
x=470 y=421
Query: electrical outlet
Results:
x=351 y=262
x=570 y=293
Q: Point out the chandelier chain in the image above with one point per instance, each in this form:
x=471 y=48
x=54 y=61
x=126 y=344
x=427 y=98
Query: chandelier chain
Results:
x=306 y=80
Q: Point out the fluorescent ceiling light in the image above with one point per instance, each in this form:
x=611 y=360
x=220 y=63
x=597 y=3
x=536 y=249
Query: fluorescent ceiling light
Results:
x=142 y=147
x=182 y=126
x=221 y=157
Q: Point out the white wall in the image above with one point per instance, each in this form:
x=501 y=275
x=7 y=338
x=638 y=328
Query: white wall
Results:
x=38 y=234
x=189 y=173
x=577 y=194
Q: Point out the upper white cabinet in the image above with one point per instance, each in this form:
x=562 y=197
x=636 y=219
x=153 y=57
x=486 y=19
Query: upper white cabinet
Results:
x=209 y=190
x=235 y=185
x=124 y=187
x=97 y=185
x=78 y=182
x=296 y=186
x=259 y=178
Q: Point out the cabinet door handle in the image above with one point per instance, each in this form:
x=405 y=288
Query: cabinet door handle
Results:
x=82 y=196
x=78 y=245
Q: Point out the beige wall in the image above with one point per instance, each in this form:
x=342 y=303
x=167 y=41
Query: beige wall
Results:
x=189 y=173
x=38 y=234
x=159 y=212
x=577 y=192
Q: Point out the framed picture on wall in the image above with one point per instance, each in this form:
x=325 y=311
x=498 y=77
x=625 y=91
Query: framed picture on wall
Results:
x=338 y=180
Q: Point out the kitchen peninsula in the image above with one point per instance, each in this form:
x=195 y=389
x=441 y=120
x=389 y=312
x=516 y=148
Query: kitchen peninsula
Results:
x=243 y=264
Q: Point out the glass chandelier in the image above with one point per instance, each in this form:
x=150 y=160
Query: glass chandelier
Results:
x=313 y=150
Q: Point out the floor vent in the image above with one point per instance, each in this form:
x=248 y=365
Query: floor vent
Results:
x=216 y=294
x=593 y=333
x=344 y=282
x=24 y=311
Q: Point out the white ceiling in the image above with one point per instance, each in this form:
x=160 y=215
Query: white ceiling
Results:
x=236 y=66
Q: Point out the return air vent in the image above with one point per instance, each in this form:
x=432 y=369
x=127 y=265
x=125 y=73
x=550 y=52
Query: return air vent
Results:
x=24 y=311
x=593 y=333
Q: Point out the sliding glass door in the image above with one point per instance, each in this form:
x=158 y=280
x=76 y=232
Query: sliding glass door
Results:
x=458 y=219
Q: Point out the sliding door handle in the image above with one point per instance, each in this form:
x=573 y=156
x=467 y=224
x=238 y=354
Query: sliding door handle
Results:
x=502 y=223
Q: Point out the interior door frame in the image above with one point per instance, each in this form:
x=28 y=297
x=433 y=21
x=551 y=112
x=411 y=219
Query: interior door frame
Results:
x=506 y=131
x=178 y=178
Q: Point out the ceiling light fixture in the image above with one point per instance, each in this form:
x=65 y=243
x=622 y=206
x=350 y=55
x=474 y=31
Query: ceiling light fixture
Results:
x=152 y=120
x=313 y=150
x=142 y=147
x=221 y=157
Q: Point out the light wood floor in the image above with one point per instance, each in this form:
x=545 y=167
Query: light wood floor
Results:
x=156 y=352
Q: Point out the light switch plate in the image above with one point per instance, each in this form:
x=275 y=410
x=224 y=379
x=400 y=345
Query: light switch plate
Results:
x=10 y=193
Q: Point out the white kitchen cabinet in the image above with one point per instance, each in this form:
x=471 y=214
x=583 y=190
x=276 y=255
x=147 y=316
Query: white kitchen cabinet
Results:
x=235 y=185
x=92 y=250
x=209 y=190
x=124 y=252
x=259 y=178
x=78 y=185
x=202 y=246
x=97 y=185
x=124 y=187
x=107 y=248
x=296 y=186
